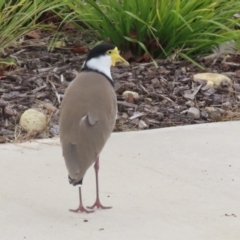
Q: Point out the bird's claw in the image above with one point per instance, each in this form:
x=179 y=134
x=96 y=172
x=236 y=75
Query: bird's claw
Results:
x=98 y=205
x=80 y=209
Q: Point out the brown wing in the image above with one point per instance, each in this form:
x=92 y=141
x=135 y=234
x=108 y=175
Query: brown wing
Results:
x=87 y=118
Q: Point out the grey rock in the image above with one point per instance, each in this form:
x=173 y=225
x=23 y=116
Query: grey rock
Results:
x=227 y=105
x=194 y=112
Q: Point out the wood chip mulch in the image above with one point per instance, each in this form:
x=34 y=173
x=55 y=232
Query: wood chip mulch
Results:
x=160 y=97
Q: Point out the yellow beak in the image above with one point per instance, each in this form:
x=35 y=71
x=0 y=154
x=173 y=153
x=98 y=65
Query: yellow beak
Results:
x=117 y=58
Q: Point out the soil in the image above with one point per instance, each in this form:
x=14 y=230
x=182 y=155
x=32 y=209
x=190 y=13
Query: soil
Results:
x=161 y=96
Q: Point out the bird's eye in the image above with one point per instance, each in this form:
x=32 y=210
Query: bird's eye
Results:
x=109 y=52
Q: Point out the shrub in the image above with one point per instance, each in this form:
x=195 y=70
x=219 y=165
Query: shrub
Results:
x=160 y=26
x=18 y=17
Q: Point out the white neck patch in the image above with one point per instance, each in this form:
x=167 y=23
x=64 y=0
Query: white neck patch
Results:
x=101 y=64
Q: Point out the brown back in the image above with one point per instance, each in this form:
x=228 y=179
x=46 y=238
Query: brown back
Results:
x=87 y=117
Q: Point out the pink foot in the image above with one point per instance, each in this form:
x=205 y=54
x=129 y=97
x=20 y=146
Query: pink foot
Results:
x=98 y=205
x=80 y=209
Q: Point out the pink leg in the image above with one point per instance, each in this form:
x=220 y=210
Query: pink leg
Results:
x=81 y=207
x=97 y=204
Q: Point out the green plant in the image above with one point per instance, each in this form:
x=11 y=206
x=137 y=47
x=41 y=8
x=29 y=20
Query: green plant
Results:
x=160 y=27
x=18 y=18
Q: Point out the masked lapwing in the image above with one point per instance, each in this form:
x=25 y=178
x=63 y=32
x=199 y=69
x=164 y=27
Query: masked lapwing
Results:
x=87 y=116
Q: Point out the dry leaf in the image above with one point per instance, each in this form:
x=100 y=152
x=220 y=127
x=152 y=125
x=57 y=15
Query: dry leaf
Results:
x=8 y=63
x=127 y=55
x=79 y=49
x=154 y=45
x=133 y=34
x=146 y=57
x=69 y=27
x=59 y=44
x=34 y=34
x=1 y=72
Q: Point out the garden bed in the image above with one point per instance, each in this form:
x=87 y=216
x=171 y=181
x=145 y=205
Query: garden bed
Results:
x=168 y=96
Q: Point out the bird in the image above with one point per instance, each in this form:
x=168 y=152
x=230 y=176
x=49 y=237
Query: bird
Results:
x=88 y=114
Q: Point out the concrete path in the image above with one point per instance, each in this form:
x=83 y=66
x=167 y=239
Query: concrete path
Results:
x=180 y=183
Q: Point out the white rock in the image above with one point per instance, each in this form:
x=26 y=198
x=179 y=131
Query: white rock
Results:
x=148 y=100
x=134 y=94
x=227 y=105
x=210 y=109
x=125 y=116
x=189 y=103
x=212 y=79
x=33 y=120
x=214 y=113
x=194 y=112
x=142 y=125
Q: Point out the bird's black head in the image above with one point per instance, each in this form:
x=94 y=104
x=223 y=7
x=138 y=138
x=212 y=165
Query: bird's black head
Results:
x=103 y=55
x=100 y=50
x=101 y=58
